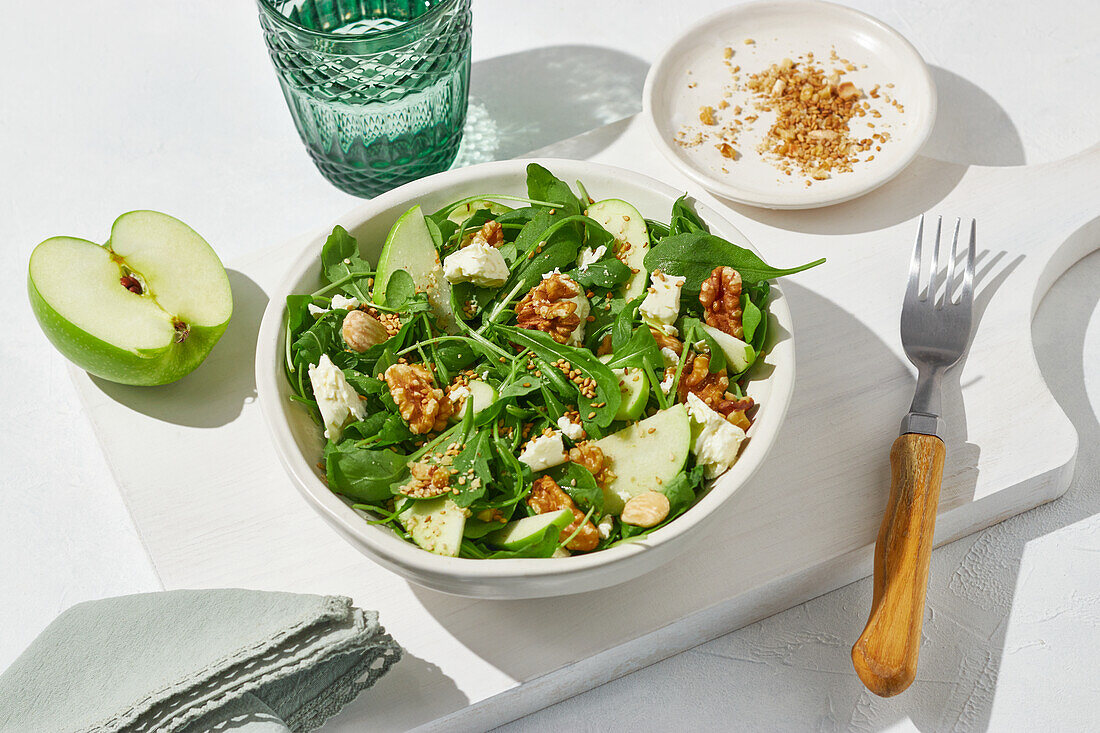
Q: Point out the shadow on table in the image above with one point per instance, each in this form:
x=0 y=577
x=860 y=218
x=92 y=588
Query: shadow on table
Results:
x=214 y=393
x=523 y=101
x=971 y=127
x=411 y=680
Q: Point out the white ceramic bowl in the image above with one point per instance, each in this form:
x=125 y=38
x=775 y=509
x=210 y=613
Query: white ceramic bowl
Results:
x=690 y=73
x=298 y=440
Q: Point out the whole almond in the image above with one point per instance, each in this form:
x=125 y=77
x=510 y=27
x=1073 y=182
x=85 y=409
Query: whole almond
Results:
x=362 y=331
x=647 y=509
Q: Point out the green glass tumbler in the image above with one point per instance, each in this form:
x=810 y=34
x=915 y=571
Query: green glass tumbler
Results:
x=377 y=88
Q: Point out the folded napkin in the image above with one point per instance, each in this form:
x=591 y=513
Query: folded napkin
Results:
x=196 y=660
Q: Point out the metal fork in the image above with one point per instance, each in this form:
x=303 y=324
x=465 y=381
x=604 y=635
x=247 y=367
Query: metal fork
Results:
x=935 y=331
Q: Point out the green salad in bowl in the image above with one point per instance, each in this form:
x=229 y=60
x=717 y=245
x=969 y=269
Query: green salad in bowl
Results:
x=530 y=377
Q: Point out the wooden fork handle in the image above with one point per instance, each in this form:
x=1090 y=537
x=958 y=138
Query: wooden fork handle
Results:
x=885 y=655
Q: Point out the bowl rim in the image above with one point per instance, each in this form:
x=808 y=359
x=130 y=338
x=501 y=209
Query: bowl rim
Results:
x=380 y=543
x=807 y=199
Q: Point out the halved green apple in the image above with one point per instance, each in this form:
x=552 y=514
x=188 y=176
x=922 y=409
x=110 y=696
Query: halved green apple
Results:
x=146 y=308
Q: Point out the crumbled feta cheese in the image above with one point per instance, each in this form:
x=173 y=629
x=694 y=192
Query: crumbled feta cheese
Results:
x=316 y=310
x=716 y=442
x=336 y=399
x=666 y=383
x=605 y=525
x=555 y=271
x=339 y=302
x=480 y=264
x=576 y=338
x=662 y=303
x=458 y=396
x=544 y=452
x=669 y=356
x=590 y=257
x=572 y=430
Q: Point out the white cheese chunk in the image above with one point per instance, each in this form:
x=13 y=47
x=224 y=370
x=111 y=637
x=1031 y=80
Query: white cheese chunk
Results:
x=669 y=357
x=316 y=310
x=544 y=452
x=339 y=302
x=478 y=263
x=666 y=383
x=715 y=441
x=605 y=525
x=572 y=430
x=662 y=302
x=590 y=257
x=576 y=338
x=338 y=402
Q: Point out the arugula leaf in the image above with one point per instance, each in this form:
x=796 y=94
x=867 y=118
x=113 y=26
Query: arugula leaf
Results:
x=340 y=259
x=693 y=327
x=297 y=310
x=684 y=219
x=362 y=473
x=640 y=350
x=695 y=256
x=474 y=457
x=607 y=384
x=580 y=484
x=624 y=324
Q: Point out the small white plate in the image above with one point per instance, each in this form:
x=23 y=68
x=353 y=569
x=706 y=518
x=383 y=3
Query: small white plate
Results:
x=691 y=73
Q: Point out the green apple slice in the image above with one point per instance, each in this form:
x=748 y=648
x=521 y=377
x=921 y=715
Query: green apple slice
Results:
x=634 y=388
x=646 y=455
x=482 y=394
x=739 y=354
x=461 y=213
x=176 y=309
x=521 y=532
x=410 y=247
x=627 y=225
x=435 y=524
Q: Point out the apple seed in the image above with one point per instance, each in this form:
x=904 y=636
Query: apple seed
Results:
x=182 y=330
x=131 y=283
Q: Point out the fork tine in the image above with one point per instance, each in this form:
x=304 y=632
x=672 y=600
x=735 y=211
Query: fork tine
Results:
x=967 y=295
x=947 y=290
x=933 y=275
x=912 y=291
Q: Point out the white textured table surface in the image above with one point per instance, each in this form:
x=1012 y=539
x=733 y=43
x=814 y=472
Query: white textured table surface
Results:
x=119 y=105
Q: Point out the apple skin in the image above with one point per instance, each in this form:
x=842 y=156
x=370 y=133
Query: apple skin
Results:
x=148 y=367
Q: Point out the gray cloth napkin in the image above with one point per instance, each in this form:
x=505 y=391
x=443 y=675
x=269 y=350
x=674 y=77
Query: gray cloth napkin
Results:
x=196 y=660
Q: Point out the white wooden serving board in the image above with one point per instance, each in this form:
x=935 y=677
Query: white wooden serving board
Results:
x=213 y=507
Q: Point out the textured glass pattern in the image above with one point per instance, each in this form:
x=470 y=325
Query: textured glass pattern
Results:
x=377 y=90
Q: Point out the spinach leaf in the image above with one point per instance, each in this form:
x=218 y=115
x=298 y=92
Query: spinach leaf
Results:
x=606 y=273
x=624 y=324
x=361 y=473
x=695 y=256
x=607 y=384
x=399 y=289
x=542 y=185
x=340 y=259
x=381 y=429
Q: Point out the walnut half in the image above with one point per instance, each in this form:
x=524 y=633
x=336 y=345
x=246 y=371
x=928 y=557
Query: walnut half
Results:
x=423 y=405
x=711 y=389
x=720 y=296
x=548 y=308
x=547 y=496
